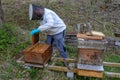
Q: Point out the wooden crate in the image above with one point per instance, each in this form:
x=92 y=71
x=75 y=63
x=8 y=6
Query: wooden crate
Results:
x=90 y=56
x=37 y=54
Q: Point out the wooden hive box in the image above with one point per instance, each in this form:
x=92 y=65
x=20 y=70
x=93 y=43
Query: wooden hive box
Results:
x=90 y=49
x=37 y=54
x=90 y=56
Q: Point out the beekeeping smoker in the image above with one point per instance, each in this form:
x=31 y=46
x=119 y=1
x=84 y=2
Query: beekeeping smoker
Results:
x=53 y=24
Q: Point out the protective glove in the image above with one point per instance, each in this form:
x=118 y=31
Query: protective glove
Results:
x=34 y=31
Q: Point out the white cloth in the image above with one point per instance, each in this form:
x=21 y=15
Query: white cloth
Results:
x=51 y=22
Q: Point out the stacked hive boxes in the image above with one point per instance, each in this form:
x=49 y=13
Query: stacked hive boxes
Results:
x=90 y=52
x=90 y=49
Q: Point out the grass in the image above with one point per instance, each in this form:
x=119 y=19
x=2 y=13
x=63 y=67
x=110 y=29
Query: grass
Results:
x=9 y=69
x=15 y=38
x=112 y=58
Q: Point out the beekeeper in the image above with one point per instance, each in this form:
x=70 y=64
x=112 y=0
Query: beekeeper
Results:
x=53 y=24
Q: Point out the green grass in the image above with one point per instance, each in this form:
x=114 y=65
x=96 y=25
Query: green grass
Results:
x=14 y=38
x=112 y=58
x=9 y=69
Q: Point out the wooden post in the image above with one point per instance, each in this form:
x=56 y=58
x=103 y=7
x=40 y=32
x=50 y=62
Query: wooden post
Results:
x=112 y=74
x=111 y=64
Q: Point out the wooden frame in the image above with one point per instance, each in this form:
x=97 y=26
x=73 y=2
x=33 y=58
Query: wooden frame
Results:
x=80 y=72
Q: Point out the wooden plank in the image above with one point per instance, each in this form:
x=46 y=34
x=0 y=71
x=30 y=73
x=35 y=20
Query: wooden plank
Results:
x=68 y=59
x=90 y=73
x=35 y=65
x=53 y=56
x=112 y=74
x=112 y=64
x=54 y=61
x=20 y=60
x=60 y=68
x=80 y=72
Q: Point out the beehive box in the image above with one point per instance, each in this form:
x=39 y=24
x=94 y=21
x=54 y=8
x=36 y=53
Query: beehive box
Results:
x=90 y=56
x=92 y=44
x=37 y=54
x=90 y=49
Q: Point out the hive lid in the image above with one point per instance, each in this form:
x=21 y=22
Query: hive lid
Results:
x=95 y=33
x=91 y=37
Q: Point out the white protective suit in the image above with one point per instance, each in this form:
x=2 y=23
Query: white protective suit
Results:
x=51 y=22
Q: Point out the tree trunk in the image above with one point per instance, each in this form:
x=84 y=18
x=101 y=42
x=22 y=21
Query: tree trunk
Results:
x=1 y=13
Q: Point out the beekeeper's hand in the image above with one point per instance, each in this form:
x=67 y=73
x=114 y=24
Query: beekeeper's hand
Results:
x=34 y=31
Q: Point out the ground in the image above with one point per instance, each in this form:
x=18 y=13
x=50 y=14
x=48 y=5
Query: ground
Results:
x=15 y=34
